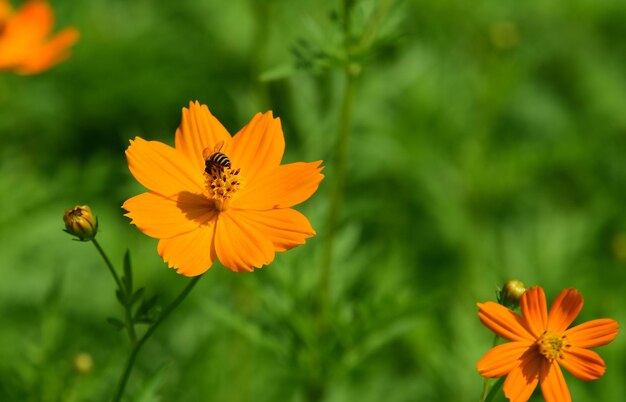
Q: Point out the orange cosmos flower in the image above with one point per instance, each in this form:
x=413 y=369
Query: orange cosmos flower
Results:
x=541 y=343
x=24 y=43
x=217 y=196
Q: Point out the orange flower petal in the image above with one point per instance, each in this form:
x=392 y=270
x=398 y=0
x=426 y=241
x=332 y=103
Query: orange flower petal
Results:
x=24 y=45
x=522 y=380
x=49 y=53
x=285 y=228
x=191 y=253
x=162 y=217
x=241 y=246
x=241 y=238
x=565 y=309
x=501 y=359
x=33 y=21
x=534 y=310
x=12 y=47
x=503 y=322
x=258 y=147
x=162 y=169
x=24 y=32
x=5 y=11
x=593 y=333
x=553 y=385
x=283 y=187
x=584 y=364
x=198 y=130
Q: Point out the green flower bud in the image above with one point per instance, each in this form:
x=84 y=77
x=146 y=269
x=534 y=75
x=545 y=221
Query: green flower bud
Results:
x=511 y=293
x=83 y=363
x=80 y=222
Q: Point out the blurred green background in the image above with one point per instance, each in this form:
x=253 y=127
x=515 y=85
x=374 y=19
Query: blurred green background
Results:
x=487 y=143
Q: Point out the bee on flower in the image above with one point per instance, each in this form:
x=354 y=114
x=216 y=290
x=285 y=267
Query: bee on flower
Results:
x=216 y=196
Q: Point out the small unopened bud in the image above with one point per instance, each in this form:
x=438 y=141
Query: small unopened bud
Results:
x=618 y=245
x=80 y=222
x=83 y=363
x=504 y=34
x=511 y=293
x=354 y=69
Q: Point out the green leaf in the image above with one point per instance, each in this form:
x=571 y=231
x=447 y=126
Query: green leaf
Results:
x=148 y=310
x=137 y=296
x=128 y=273
x=246 y=328
x=151 y=389
x=277 y=73
x=379 y=338
x=53 y=293
x=121 y=296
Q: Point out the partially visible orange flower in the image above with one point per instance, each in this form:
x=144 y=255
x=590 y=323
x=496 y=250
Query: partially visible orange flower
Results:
x=541 y=343
x=216 y=196
x=24 y=43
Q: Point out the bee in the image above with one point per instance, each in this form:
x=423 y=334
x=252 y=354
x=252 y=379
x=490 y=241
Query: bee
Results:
x=214 y=160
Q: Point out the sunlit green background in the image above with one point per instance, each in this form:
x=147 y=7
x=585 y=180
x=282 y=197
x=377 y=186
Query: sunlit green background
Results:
x=488 y=142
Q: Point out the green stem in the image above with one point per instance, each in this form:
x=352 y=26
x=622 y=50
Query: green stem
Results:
x=130 y=327
x=342 y=147
x=373 y=26
x=346 y=9
x=341 y=159
x=137 y=346
x=108 y=263
x=494 y=390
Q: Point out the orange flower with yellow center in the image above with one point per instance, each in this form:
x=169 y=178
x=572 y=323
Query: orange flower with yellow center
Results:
x=24 y=43
x=541 y=343
x=216 y=196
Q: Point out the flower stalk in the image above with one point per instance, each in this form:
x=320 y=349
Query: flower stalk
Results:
x=130 y=326
x=343 y=146
x=350 y=72
x=126 y=295
x=138 y=345
x=490 y=393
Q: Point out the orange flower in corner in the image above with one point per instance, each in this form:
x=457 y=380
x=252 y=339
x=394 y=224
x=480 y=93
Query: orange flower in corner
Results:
x=24 y=43
x=216 y=196
x=541 y=344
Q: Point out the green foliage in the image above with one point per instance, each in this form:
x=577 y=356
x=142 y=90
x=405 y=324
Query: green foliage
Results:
x=487 y=144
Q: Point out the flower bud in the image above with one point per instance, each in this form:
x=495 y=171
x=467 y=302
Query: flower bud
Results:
x=80 y=222
x=83 y=363
x=618 y=244
x=511 y=293
x=504 y=34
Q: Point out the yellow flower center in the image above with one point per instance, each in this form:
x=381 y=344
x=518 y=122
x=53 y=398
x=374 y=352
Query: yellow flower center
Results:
x=222 y=182
x=551 y=345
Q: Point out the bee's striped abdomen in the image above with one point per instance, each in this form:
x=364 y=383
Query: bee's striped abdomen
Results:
x=216 y=160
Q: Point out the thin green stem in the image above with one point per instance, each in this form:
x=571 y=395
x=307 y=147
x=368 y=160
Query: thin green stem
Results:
x=137 y=346
x=341 y=159
x=108 y=263
x=494 y=390
x=342 y=148
x=130 y=327
x=347 y=22
x=373 y=27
